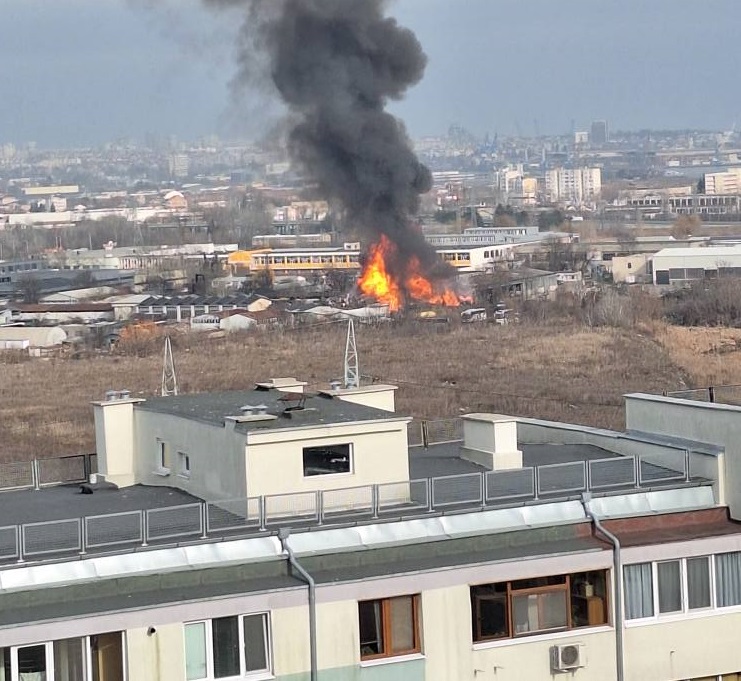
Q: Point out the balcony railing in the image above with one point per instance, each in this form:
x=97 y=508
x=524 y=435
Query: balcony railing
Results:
x=39 y=473
x=203 y=520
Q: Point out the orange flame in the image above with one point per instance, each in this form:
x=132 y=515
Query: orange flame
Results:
x=377 y=281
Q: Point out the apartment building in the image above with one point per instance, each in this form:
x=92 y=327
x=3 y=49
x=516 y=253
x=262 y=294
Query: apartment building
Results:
x=725 y=182
x=573 y=185
x=278 y=534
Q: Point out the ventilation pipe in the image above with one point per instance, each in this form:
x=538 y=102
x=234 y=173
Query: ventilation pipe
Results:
x=618 y=577
x=283 y=535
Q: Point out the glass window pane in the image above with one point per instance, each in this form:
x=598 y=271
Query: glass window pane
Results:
x=639 y=594
x=525 y=613
x=107 y=654
x=401 y=611
x=698 y=582
x=553 y=610
x=225 y=638
x=4 y=664
x=327 y=459
x=728 y=578
x=670 y=586
x=489 y=609
x=68 y=660
x=32 y=663
x=195 y=651
x=255 y=650
x=371 y=628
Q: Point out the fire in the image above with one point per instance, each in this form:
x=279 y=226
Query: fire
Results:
x=377 y=281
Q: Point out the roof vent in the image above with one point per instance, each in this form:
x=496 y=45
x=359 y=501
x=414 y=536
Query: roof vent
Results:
x=252 y=412
x=335 y=384
x=116 y=395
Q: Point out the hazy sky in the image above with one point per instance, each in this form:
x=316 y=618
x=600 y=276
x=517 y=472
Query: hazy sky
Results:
x=87 y=71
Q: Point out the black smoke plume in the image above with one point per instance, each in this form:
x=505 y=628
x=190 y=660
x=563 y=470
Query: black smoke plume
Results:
x=336 y=65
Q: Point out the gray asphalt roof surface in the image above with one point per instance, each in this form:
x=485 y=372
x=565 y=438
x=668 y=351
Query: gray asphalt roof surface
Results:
x=215 y=407
x=444 y=459
x=65 y=501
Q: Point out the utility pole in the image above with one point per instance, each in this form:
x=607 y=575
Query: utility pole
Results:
x=169 y=380
x=352 y=370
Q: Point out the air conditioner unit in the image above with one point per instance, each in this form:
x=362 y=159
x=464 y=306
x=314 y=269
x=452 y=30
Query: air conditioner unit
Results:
x=568 y=656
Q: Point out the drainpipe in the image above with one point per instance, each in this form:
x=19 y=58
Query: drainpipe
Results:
x=617 y=571
x=283 y=535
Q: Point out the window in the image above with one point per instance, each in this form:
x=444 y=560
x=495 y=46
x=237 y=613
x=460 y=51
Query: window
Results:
x=669 y=576
x=90 y=658
x=728 y=579
x=679 y=585
x=184 y=465
x=327 y=460
x=519 y=608
x=162 y=458
x=227 y=647
x=389 y=627
x=698 y=583
x=639 y=594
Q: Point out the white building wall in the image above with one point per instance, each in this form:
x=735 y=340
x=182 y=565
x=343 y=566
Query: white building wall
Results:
x=159 y=656
x=379 y=455
x=717 y=424
x=217 y=458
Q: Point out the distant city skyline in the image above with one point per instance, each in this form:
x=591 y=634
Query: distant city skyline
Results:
x=81 y=73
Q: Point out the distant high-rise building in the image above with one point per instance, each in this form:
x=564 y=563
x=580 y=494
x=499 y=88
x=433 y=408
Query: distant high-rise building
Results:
x=179 y=165
x=600 y=133
x=573 y=185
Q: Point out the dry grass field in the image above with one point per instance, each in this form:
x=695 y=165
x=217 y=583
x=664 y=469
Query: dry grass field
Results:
x=708 y=355
x=557 y=372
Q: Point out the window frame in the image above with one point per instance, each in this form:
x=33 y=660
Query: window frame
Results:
x=350 y=459
x=86 y=655
x=163 y=456
x=386 y=629
x=208 y=641
x=538 y=591
x=568 y=587
x=684 y=588
x=184 y=469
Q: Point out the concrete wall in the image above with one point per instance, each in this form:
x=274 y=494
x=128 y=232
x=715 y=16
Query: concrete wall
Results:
x=158 y=657
x=683 y=649
x=217 y=459
x=717 y=424
x=451 y=654
x=667 y=455
x=379 y=455
x=376 y=396
x=630 y=268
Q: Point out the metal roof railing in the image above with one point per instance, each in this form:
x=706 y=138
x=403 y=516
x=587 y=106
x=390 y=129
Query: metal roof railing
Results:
x=215 y=520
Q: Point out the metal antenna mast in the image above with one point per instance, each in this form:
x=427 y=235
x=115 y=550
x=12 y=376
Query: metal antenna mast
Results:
x=352 y=371
x=169 y=380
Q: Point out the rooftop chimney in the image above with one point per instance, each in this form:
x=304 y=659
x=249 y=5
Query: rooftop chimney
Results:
x=114 y=437
x=490 y=440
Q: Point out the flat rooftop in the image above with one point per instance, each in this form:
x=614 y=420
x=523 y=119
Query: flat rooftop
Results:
x=66 y=501
x=445 y=459
x=303 y=409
